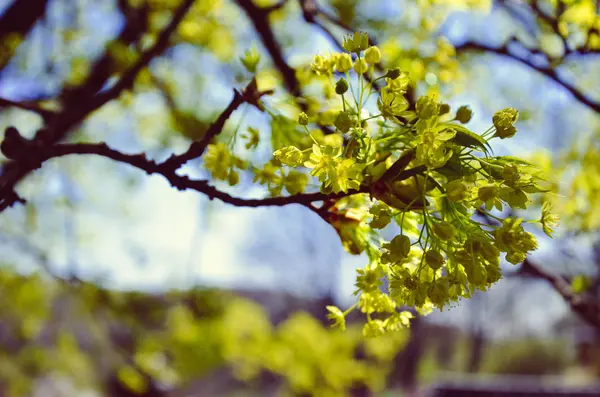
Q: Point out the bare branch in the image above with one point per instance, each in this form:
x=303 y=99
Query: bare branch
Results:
x=250 y=95
x=259 y=18
x=44 y=113
x=19 y=18
x=549 y=72
x=180 y=182
x=585 y=305
x=159 y=46
x=74 y=112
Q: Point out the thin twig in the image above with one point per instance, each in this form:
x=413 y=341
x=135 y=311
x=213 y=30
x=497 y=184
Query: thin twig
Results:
x=182 y=182
x=44 y=113
x=129 y=76
x=250 y=95
x=546 y=71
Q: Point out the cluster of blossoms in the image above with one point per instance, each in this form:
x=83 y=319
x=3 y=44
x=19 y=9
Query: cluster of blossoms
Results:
x=411 y=167
x=422 y=170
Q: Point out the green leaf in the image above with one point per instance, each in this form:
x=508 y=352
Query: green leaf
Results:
x=467 y=138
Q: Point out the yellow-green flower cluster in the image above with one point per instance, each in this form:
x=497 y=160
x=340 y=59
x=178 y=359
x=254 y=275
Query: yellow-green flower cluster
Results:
x=512 y=239
x=222 y=164
x=425 y=172
x=504 y=121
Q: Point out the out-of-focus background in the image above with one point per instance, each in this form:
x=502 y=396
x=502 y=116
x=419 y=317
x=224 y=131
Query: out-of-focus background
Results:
x=113 y=283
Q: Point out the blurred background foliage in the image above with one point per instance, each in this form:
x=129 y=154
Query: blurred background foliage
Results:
x=113 y=283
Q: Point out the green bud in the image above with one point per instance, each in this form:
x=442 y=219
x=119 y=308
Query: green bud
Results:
x=505 y=132
x=477 y=275
x=464 y=114
x=343 y=63
x=434 y=259
x=444 y=230
x=341 y=86
x=393 y=74
x=456 y=190
x=398 y=248
x=360 y=66
x=438 y=293
x=303 y=119
x=233 y=178
x=444 y=108
x=344 y=121
x=250 y=59
x=373 y=55
x=463 y=257
x=505 y=118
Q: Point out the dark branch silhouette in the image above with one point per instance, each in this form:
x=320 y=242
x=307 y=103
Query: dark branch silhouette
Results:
x=547 y=71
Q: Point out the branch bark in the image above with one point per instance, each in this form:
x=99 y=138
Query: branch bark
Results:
x=549 y=72
x=82 y=101
x=179 y=182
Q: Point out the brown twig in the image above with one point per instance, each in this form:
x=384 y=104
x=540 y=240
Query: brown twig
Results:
x=250 y=95
x=180 y=182
x=583 y=304
x=74 y=112
x=586 y=306
x=44 y=113
x=260 y=20
x=549 y=72
x=159 y=46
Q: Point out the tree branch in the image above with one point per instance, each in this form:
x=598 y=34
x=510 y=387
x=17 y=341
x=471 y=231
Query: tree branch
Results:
x=44 y=113
x=179 y=182
x=585 y=305
x=74 y=112
x=260 y=19
x=249 y=94
x=546 y=71
x=162 y=42
x=20 y=18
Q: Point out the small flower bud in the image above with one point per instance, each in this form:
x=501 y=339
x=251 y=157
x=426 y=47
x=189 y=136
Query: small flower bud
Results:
x=341 y=86
x=360 y=66
x=303 y=119
x=486 y=193
x=373 y=55
x=505 y=132
x=393 y=74
x=426 y=107
x=344 y=121
x=505 y=118
x=434 y=259
x=464 y=114
x=437 y=294
x=444 y=108
x=343 y=63
x=443 y=230
x=250 y=59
